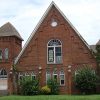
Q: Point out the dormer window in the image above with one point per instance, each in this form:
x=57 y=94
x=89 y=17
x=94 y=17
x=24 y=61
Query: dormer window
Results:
x=54 y=48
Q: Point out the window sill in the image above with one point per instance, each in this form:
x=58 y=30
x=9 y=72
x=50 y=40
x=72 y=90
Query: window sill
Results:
x=62 y=85
x=54 y=63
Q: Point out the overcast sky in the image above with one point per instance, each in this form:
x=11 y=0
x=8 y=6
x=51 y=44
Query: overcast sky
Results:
x=25 y=14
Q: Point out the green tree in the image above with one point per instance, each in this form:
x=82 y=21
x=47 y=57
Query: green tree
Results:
x=54 y=86
x=97 y=56
x=85 y=80
x=29 y=86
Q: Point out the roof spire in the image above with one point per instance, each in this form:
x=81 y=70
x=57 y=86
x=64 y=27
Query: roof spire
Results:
x=9 y=30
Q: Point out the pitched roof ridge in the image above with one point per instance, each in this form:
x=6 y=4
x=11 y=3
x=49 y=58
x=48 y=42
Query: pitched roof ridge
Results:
x=35 y=29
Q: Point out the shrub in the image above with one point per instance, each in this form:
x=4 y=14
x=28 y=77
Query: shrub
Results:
x=54 y=86
x=45 y=90
x=29 y=87
x=85 y=80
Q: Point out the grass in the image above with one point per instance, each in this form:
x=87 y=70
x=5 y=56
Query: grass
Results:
x=52 y=97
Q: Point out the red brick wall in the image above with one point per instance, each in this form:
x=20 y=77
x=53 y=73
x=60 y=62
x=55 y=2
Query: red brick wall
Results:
x=14 y=45
x=74 y=51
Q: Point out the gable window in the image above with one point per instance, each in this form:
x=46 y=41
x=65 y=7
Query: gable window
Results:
x=62 y=78
x=54 y=48
x=0 y=54
x=6 y=53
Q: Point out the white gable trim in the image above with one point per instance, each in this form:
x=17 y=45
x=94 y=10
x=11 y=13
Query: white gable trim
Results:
x=38 y=25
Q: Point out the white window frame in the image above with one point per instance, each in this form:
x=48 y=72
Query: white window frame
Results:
x=48 y=73
x=27 y=74
x=55 y=74
x=54 y=47
x=62 y=74
x=3 y=76
x=19 y=77
x=33 y=75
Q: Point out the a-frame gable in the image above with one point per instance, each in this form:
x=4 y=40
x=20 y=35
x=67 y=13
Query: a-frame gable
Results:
x=39 y=24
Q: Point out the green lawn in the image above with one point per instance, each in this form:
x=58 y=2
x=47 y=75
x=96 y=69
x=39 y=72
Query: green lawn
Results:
x=52 y=97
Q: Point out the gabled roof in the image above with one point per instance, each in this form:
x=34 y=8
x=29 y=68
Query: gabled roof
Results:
x=98 y=43
x=38 y=25
x=93 y=48
x=9 y=30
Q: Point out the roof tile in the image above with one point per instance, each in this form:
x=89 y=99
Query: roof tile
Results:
x=9 y=30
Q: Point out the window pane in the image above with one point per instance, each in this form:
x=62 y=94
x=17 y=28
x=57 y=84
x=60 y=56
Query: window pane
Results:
x=33 y=77
x=3 y=72
x=58 y=55
x=58 y=49
x=51 y=54
x=62 y=77
x=48 y=76
x=62 y=82
x=55 y=77
x=54 y=51
x=58 y=59
x=0 y=54
x=54 y=43
x=6 y=53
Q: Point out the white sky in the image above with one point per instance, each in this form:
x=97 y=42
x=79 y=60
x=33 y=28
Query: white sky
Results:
x=25 y=14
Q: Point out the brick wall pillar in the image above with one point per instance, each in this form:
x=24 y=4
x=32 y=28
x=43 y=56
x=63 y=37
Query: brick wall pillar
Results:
x=10 y=82
x=69 y=80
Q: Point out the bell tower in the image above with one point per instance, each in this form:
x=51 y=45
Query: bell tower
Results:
x=10 y=46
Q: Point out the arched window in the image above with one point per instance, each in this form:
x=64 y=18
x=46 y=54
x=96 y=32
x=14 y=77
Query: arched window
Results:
x=0 y=54
x=6 y=53
x=62 y=78
x=54 y=50
x=3 y=73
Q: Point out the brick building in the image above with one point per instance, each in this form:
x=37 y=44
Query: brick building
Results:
x=54 y=49
x=10 y=46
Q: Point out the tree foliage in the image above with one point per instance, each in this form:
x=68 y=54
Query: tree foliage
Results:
x=29 y=86
x=85 y=80
x=54 y=86
x=97 y=54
